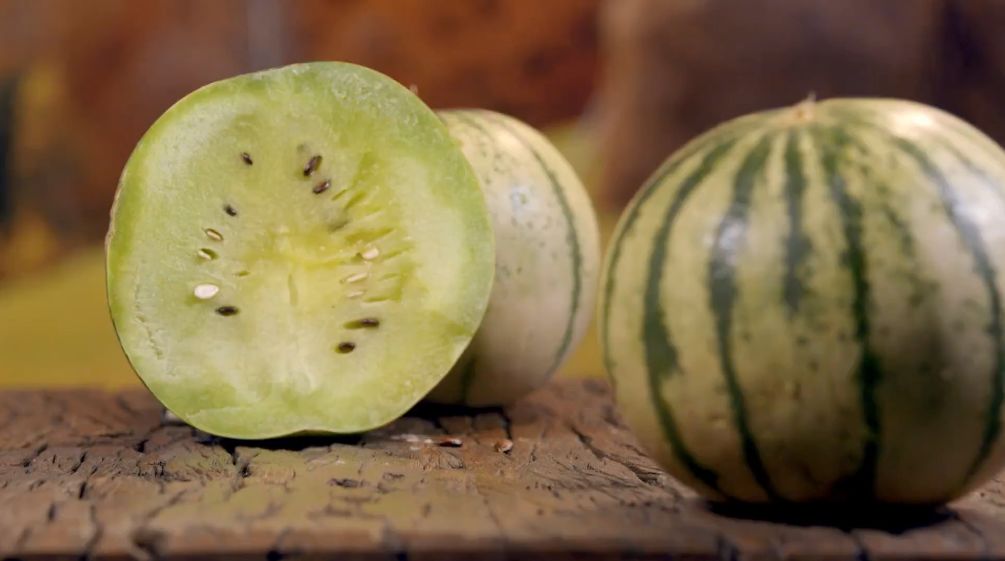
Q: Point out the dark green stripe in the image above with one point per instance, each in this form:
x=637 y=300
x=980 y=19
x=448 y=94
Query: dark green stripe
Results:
x=670 y=166
x=970 y=235
x=571 y=236
x=995 y=187
x=833 y=142
x=797 y=244
x=729 y=243
x=904 y=237
x=661 y=354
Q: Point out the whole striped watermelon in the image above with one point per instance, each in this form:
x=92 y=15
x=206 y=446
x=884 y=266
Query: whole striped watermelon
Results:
x=547 y=260
x=806 y=305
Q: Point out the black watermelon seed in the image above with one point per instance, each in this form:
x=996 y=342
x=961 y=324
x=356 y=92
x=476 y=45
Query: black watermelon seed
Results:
x=313 y=164
x=230 y=210
x=346 y=347
x=363 y=322
x=227 y=311
x=322 y=187
x=247 y=158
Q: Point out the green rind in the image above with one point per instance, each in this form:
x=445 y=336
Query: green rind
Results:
x=862 y=482
x=661 y=353
x=722 y=294
x=986 y=270
x=547 y=262
x=571 y=238
x=797 y=245
x=817 y=148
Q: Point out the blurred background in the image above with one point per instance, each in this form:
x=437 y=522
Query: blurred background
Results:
x=616 y=84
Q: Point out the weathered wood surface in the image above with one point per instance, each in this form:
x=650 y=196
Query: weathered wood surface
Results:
x=86 y=474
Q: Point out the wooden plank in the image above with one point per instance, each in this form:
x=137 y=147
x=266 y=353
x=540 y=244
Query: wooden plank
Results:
x=98 y=475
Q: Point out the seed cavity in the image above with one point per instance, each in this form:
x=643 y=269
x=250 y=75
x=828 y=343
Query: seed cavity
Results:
x=247 y=158
x=356 y=277
x=206 y=291
x=322 y=187
x=213 y=234
x=243 y=273
x=227 y=311
x=355 y=200
x=207 y=254
x=312 y=165
x=369 y=235
x=396 y=253
x=369 y=253
x=345 y=347
x=363 y=323
x=338 y=224
x=230 y=210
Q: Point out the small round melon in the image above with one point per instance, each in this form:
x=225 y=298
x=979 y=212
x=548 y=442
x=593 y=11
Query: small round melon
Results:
x=303 y=249
x=806 y=305
x=547 y=261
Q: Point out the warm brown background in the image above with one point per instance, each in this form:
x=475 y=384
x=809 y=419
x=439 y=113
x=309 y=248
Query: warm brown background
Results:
x=675 y=68
x=618 y=84
x=91 y=76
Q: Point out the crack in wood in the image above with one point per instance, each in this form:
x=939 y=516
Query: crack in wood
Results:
x=97 y=530
x=986 y=550
x=39 y=450
x=645 y=477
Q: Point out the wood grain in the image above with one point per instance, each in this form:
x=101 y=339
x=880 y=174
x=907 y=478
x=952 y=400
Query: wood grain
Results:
x=87 y=474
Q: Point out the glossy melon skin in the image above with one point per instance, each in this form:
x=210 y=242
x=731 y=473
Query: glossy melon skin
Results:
x=303 y=249
x=805 y=305
x=547 y=261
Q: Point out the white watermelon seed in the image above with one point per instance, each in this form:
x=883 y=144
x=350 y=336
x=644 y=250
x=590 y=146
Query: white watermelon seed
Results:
x=370 y=253
x=356 y=277
x=213 y=234
x=207 y=254
x=206 y=291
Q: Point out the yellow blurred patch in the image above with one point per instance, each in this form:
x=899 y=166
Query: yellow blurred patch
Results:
x=55 y=328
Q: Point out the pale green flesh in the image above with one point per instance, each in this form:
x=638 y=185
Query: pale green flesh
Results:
x=401 y=236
